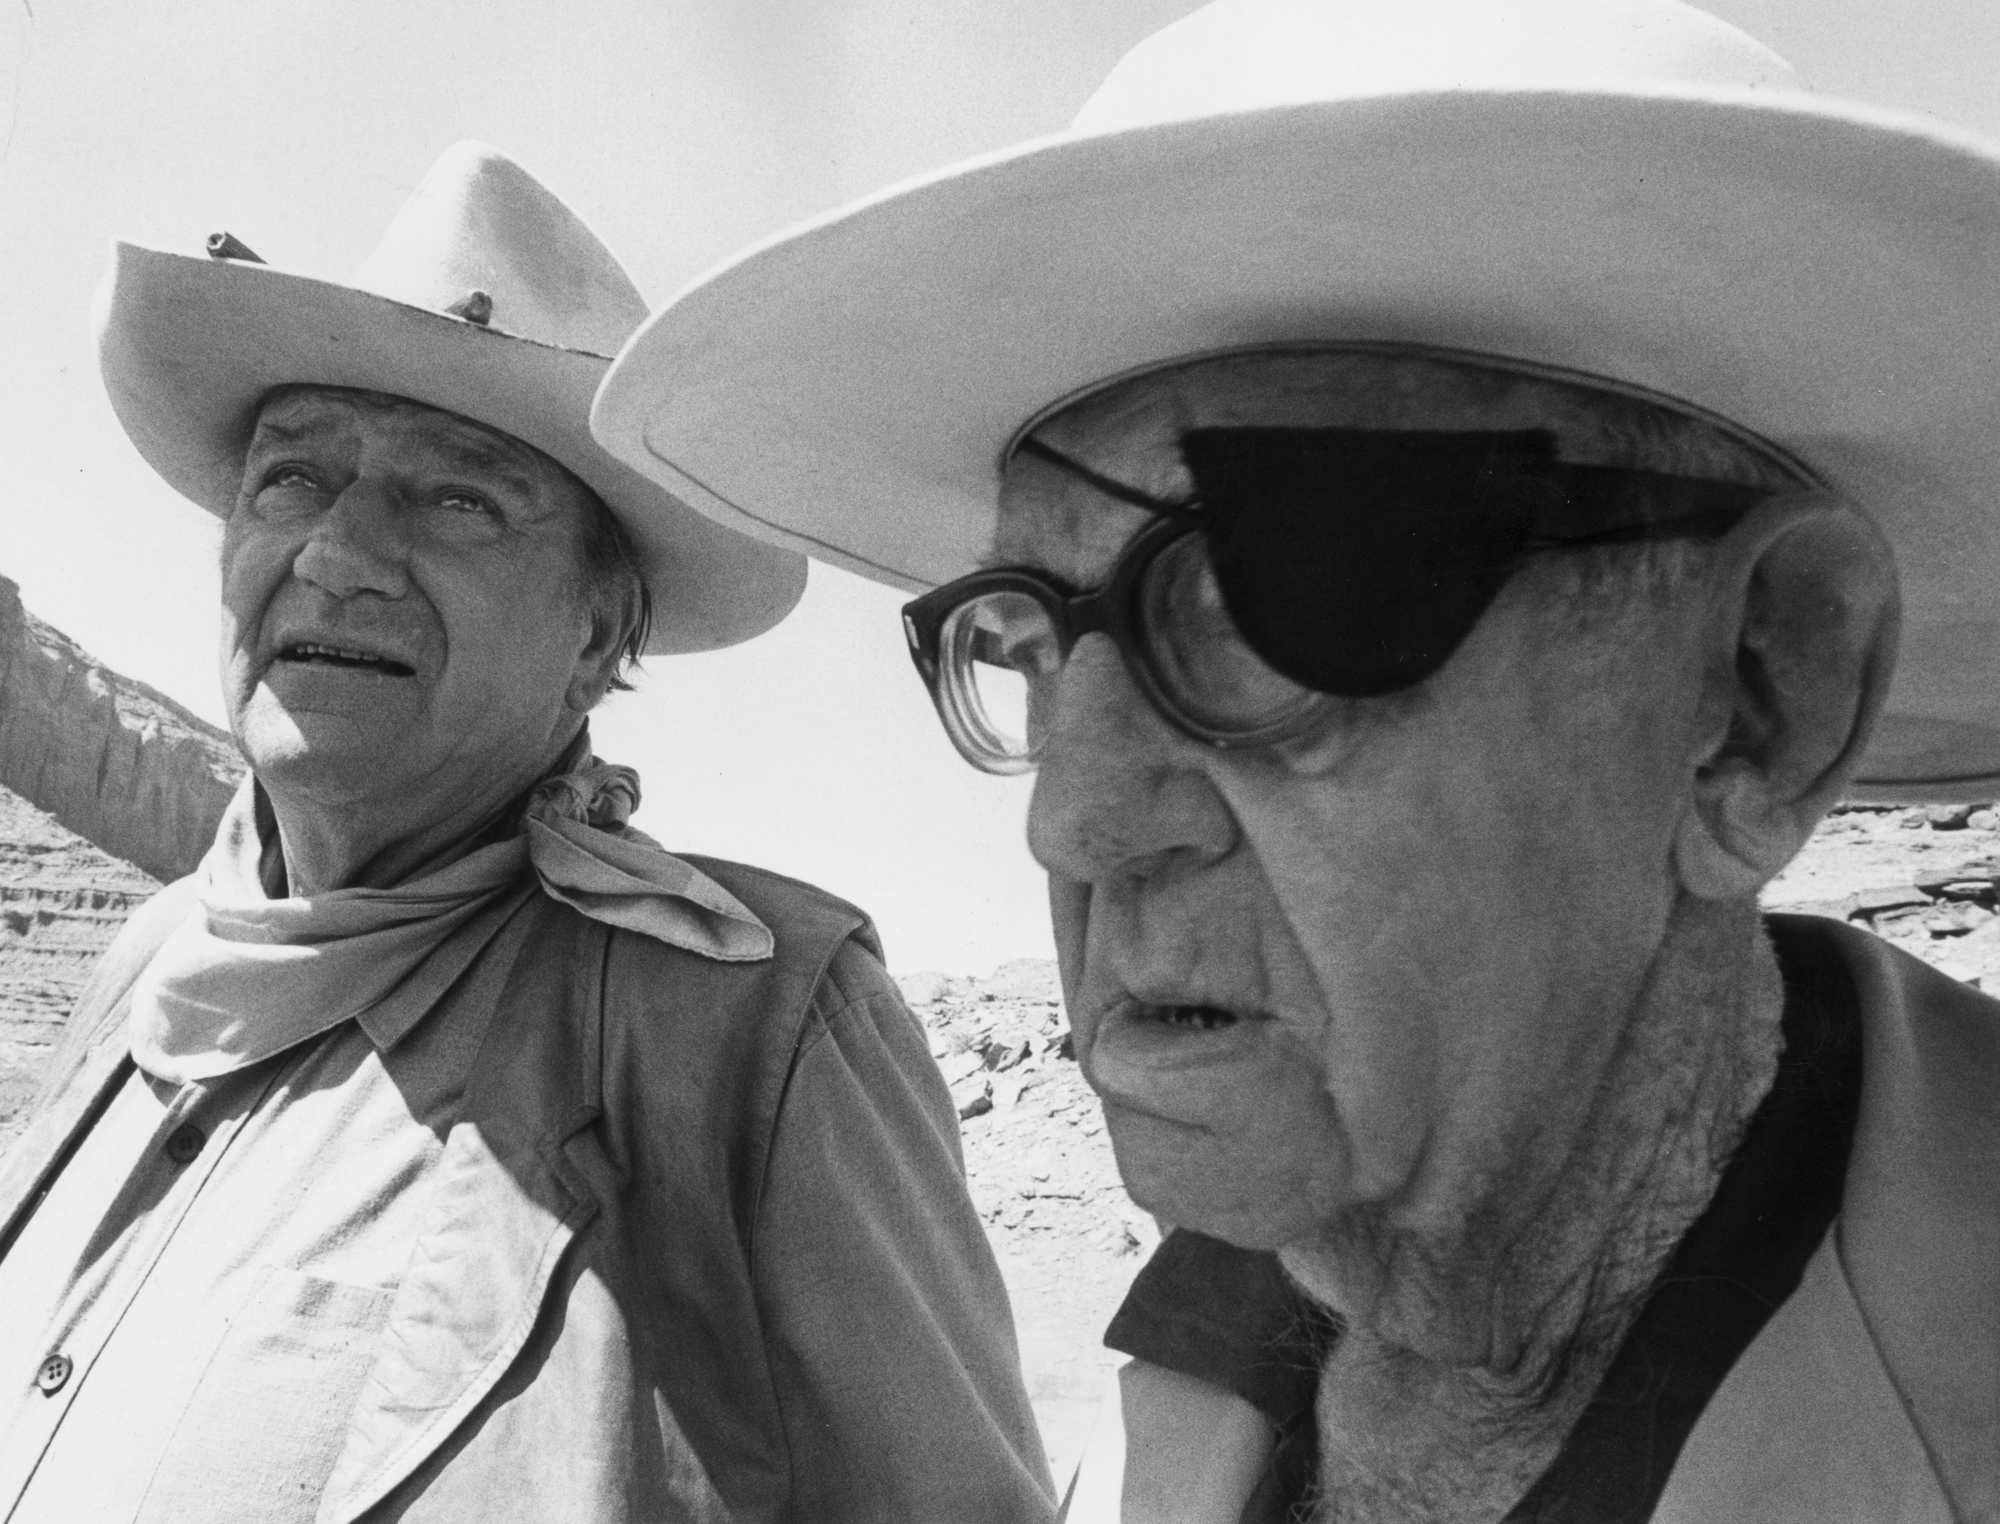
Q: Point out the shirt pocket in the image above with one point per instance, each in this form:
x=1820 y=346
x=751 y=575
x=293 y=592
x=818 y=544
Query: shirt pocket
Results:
x=267 y=1417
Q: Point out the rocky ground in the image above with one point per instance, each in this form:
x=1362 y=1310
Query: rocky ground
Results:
x=1926 y=879
x=1039 y=1162
x=1042 y=1177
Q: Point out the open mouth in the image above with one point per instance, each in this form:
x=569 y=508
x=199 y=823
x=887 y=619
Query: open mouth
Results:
x=1190 y=1018
x=315 y=654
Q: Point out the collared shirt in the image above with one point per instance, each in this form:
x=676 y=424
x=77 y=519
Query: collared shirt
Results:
x=204 y=1242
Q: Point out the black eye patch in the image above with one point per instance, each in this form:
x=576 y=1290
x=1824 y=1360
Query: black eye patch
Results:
x=1355 y=561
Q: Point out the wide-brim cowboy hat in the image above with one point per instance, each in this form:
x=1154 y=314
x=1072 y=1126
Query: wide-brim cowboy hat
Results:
x=488 y=298
x=1624 y=188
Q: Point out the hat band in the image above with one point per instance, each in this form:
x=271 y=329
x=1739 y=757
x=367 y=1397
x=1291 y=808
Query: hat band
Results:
x=1596 y=421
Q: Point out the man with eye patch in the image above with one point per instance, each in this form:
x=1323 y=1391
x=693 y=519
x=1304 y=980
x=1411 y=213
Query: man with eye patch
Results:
x=1434 y=495
x=444 y=1148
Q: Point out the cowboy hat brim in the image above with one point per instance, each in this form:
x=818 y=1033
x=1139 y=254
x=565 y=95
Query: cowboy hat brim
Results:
x=1823 y=274
x=189 y=346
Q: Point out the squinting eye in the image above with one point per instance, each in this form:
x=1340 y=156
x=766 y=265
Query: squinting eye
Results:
x=289 y=476
x=458 y=500
x=288 y=489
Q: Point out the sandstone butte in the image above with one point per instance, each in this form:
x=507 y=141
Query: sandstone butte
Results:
x=61 y=902
x=107 y=789
x=113 y=760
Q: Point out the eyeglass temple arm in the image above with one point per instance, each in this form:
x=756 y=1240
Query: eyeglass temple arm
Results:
x=1110 y=487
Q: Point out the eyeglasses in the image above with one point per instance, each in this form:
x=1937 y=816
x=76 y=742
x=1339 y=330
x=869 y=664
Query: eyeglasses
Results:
x=989 y=644
x=1313 y=566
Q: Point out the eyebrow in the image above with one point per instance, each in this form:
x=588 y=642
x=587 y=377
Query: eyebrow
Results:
x=471 y=453
x=464 y=451
x=283 y=433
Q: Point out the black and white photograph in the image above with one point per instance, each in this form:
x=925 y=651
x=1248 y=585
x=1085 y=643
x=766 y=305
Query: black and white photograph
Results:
x=1000 y=762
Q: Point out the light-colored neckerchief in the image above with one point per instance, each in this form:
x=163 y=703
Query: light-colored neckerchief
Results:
x=246 y=976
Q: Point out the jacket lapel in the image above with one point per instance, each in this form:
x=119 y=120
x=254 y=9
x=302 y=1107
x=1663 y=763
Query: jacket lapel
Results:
x=506 y=1205
x=1920 y=1225
x=1870 y=1396
x=1808 y=1428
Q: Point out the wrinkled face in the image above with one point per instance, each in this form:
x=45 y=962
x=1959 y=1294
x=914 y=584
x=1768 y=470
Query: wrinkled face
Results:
x=400 y=616
x=1359 y=971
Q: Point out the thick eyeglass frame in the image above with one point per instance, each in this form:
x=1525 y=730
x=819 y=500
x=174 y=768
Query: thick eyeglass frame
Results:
x=1113 y=610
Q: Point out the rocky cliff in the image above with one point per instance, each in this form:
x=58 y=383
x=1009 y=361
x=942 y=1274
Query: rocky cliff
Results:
x=113 y=760
x=98 y=773
x=61 y=902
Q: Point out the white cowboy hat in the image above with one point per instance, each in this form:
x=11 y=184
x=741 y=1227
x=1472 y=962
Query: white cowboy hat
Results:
x=487 y=297
x=1625 y=188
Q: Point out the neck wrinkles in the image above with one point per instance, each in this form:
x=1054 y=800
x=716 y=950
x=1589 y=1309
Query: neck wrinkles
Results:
x=313 y=847
x=1542 y=1278
x=1699 y=1052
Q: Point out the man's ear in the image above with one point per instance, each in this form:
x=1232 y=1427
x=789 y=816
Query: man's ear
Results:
x=597 y=662
x=1802 y=636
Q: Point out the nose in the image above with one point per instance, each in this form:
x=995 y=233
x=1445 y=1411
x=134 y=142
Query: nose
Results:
x=1118 y=791
x=357 y=545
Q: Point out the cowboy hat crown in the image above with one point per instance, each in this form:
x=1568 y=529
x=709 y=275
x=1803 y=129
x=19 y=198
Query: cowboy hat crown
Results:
x=486 y=297
x=1251 y=55
x=480 y=222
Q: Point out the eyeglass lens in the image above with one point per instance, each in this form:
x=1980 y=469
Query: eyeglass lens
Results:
x=991 y=650
x=1199 y=657
x=998 y=649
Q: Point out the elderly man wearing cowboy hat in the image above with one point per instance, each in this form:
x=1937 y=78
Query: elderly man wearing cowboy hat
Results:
x=444 y=1149
x=1424 y=485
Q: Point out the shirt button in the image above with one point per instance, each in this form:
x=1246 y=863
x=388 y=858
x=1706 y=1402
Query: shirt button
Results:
x=185 y=1142
x=52 y=1373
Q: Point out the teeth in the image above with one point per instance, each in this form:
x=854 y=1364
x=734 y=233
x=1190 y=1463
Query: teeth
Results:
x=312 y=650
x=1205 y=1017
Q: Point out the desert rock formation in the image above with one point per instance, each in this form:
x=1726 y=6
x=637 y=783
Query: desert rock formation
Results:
x=115 y=761
x=106 y=788
x=61 y=902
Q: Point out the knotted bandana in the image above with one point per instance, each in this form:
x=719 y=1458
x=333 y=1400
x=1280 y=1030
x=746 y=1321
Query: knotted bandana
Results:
x=247 y=976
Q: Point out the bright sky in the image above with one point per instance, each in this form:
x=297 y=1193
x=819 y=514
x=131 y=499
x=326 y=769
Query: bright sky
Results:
x=681 y=130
